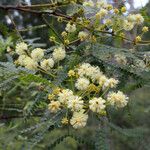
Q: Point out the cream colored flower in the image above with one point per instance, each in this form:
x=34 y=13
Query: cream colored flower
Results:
x=54 y=106
x=59 y=54
x=110 y=83
x=71 y=73
x=47 y=64
x=101 y=4
x=128 y=25
x=70 y=27
x=88 y=3
x=83 y=35
x=139 y=19
x=97 y=104
x=82 y=83
x=117 y=99
x=83 y=69
x=145 y=29
x=75 y=103
x=79 y=119
x=102 y=80
x=30 y=63
x=37 y=54
x=65 y=95
x=101 y=14
x=21 y=48
x=21 y=59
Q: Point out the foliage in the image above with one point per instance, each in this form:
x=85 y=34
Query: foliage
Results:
x=35 y=70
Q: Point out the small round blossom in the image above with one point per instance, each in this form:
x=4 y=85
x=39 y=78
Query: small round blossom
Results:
x=21 y=48
x=37 y=54
x=101 y=14
x=138 y=39
x=21 y=59
x=64 y=121
x=97 y=104
x=59 y=54
x=88 y=3
x=102 y=80
x=54 y=106
x=82 y=35
x=145 y=29
x=70 y=27
x=75 y=103
x=110 y=83
x=131 y=18
x=82 y=83
x=71 y=73
x=65 y=95
x=30 y=63
x=101 y=4
x=83 y=69
x=123 y=9
x=79 y=119
x=117 y=99
x=139 y=19
x=128 y=25
x=47 y=64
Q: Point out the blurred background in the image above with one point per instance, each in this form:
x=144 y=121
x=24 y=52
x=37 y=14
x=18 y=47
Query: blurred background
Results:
x=139 y=108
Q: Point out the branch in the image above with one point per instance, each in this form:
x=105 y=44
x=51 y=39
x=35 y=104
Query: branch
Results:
x=36 y=12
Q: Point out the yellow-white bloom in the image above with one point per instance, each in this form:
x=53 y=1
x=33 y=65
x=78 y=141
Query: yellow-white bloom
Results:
x=82 y=83
x=139 y=19
x=30 y=63
x=54 y=106
x=97 y=104
x=101 y=4
x=102 y=80
x=70 y=27
x=47 y=64
x=82 y=35
x=21 y=59
x=79 y=119
x=128 y=25
x=37 y=54
x=21 y=48
x=110 y=83
x=88 y=3
x=83 y=69
x=75 y=103
x=65 y=95
x=117 y=99
x=59 y=54
x=101 y=14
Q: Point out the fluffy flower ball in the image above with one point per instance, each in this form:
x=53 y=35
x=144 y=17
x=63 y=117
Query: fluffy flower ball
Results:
x=97 y=104
x=54 y=106
x=75 y=103
x=65 y=95
x=82 y=83
x=82 y=35
x=47 y=64
x=21 y=48
x=37 y=54
x=70 y=27
x=117 y=99
x=59 y=54
x=30 y=63
x=79 y=119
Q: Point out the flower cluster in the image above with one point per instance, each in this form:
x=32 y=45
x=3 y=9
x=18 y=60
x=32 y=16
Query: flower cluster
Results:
x=89 y=91
x=35 y=58
x=106 y=15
